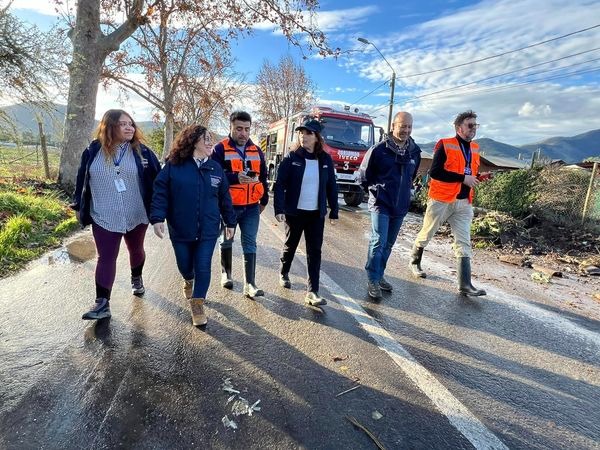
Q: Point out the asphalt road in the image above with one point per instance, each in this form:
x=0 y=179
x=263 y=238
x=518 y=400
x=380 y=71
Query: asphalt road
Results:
x=433 y=369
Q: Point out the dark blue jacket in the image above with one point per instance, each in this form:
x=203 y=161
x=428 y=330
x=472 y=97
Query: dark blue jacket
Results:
x=148 y=167
x=387 y=174
x=192 y=199
x=289 y=181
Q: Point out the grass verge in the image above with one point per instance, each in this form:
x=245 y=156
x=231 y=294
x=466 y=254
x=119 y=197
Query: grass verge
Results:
x=34 y=217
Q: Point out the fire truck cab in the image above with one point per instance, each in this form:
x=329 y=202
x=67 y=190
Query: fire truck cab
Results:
x=347 y=135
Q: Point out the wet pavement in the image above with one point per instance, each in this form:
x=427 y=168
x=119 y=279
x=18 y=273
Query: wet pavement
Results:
x=434 y=370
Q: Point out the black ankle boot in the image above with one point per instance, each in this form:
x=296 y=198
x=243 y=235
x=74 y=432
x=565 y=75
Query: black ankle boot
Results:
x=464 y=278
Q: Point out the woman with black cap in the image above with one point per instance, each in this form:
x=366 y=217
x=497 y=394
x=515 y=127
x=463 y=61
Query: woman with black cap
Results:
x=305 y=184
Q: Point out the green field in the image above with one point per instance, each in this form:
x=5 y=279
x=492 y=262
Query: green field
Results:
x=27 y=162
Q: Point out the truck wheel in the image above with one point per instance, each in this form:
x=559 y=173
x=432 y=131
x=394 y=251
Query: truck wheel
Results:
x=353 y=198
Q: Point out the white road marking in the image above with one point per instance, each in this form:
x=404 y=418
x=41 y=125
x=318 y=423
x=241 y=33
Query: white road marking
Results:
x=458 y=414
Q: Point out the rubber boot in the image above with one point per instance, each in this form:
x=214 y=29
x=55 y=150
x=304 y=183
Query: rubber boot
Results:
x=250 y=289
x=198 y=315
x=188 y=286
x=415 y=262
x=226 y=280
x=464 y=278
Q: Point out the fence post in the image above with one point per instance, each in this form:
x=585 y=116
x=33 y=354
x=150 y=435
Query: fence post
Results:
x=44 y=148
x=588 y=196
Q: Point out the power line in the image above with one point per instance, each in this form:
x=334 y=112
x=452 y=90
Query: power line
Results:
x=378 y=87
x=519 y=70
x=500 y=54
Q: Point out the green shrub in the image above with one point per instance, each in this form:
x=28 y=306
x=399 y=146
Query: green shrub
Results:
x=67 y=226
x=510 y=192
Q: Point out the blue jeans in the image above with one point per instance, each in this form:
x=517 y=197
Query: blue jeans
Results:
x=248 y=218
x=384 y=231
x=194 y=262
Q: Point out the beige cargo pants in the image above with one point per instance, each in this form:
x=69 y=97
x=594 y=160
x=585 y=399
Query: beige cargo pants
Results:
x=459 y=215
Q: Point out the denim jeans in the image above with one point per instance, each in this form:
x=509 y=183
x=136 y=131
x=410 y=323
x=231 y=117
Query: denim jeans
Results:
x=194 y=261
x=384 y=231
x=248 y=218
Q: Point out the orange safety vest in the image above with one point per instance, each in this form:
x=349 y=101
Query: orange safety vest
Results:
x=455 y=162
x=243 y=194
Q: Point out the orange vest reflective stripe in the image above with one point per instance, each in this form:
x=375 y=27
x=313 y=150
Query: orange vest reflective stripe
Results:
x=455 y=162
x=243 y=194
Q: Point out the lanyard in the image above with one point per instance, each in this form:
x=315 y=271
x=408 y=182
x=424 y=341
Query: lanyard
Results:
x=117 y=162
x=467 y=156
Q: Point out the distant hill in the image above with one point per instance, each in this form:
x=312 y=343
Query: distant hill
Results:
x=24 y=117
x=569 y=149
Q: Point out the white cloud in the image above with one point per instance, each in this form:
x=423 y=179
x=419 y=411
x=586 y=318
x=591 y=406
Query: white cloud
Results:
x=530 y=110
x=474 y=32
x=44 y=7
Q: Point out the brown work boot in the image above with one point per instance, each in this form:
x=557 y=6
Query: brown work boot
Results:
x=188 y=285
x=198 y=315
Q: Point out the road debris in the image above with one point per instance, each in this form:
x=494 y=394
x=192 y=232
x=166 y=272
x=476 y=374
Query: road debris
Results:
x=547 y=270
x=241 y=407
x=357 y=424
x=376 y=415
x=516 y=260
x=592 y=270
x=347 y=390
x=228 y=387
x=540 y=277
x=336 y=358
x=229 y=423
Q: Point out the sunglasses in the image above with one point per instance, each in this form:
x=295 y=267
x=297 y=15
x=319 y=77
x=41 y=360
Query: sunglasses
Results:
x=470 y=126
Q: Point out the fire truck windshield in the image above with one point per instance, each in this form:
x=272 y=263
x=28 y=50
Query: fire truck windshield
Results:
x=347 y=133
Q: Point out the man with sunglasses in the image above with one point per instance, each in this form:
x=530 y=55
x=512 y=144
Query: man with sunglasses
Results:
x=453 y=172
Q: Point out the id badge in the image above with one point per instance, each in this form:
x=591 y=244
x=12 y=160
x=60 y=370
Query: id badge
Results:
x=120 y=185
x=467 y=171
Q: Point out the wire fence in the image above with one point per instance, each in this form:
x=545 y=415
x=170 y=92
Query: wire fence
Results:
x=27 y=162
x=569 y=197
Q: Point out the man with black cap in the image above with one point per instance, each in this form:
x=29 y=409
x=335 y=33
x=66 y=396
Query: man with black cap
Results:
x=387 y=172
x=305 y=185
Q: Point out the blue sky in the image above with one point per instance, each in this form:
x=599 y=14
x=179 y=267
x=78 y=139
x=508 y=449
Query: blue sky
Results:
x=557 y=97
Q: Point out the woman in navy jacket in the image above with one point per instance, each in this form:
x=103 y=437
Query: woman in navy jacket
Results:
x=305 y=184
x=113 y=194
x=192 y=194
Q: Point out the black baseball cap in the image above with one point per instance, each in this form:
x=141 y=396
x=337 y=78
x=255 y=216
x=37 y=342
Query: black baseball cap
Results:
x=311 y=125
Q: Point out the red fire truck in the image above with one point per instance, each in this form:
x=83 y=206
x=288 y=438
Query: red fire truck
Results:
x=347 y=135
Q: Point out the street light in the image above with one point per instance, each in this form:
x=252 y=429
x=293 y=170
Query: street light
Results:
x=392 y=84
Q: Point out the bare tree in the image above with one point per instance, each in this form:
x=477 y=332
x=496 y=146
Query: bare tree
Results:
x=31 y=68
x=91 y=46
x=282 y=89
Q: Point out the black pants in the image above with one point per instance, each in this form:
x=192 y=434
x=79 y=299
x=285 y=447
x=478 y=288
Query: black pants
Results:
x=312 y=224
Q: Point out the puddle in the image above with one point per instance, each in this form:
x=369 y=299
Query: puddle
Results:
x=78 y=251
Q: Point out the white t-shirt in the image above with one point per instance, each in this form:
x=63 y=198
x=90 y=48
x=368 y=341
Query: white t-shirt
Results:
x=309 y=191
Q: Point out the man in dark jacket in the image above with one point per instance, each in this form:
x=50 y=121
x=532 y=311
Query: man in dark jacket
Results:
x=387 y=172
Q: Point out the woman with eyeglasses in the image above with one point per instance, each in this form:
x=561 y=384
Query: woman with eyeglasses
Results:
x=305 y=185
x=113 y=194
x=192 y=194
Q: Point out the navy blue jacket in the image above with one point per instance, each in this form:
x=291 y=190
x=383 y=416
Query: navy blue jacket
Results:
x=192 y=199
x=289 y=182
x=387 y=174
x=148 y=167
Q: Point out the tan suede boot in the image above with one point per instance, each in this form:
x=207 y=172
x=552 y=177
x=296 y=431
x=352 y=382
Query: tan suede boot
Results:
x=198 y=315
x=188 y=285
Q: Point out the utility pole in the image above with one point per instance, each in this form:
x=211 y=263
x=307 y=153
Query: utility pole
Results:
x=392 y=83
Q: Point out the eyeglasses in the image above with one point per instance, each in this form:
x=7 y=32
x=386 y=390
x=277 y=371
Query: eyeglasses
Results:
x=470 y=126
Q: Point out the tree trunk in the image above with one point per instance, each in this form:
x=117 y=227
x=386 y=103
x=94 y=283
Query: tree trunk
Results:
x=169 y=126
x=90 y=49
x=84 y=76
